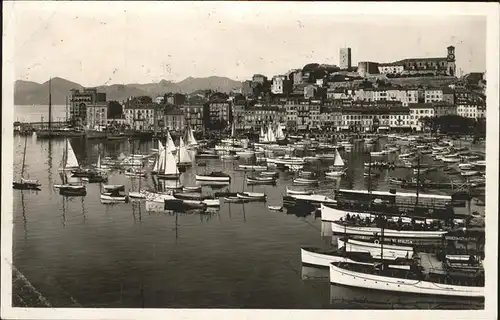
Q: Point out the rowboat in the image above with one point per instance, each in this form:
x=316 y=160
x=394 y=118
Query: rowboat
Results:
x=303 y=192
x=275 y=208
x=251 y=195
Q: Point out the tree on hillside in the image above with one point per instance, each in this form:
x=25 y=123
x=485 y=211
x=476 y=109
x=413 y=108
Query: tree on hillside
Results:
x=142 y=100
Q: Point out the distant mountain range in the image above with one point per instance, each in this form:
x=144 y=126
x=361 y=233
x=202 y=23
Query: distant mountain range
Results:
x=33 y=93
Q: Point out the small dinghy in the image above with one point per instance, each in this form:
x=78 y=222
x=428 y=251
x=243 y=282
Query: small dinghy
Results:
x=214 y=176
x=136 y=195
x=336 y=173
x=251 y=195
x=275 y=208
x=113 y=197
x=112 y=187
x=234 y=199
x=191 y=189
x=177 y=204
x=252 y=167
x=302 y=192
x=469 y=173
x=73 y=192
x=269 y=174
x=229 y=157
x=306 y=174
x=305 y=181
x=377 y=153
x=26 y=184
x=261 y=180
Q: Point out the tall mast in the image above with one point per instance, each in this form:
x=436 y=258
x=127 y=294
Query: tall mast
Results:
x=50 y=103
x=418 y=178
x=66 y=110
x=24 y=156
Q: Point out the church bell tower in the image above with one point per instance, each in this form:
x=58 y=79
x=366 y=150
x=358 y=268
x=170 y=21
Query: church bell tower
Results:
x=450 y=58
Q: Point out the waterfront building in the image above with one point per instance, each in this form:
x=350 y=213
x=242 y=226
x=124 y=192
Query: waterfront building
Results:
x=375 y=117
x=173 y=118
x=140 y=116
x=345 y=58
x=419 y=111
x=97 y=116
x=80 y=101
x=330 y=118
x=470 y=104
x=193 y=116
x=444 y=108
x=217 y=113
x=255 y=117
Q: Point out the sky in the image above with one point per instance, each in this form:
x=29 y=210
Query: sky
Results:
x=124 y=42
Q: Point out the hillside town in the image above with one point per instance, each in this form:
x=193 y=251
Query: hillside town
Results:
x=402 y=96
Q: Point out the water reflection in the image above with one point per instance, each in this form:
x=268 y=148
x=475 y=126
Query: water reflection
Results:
x=314 y=273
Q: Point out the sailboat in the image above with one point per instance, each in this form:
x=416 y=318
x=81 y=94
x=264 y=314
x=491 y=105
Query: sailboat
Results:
x=183 y=156
x=280 y=136
x=231 y=155
x=69 y=161
x=169 y=170
x=25 y=184
x=338 y=167
x=159 y=159
x=191 y=142
x=170 y=145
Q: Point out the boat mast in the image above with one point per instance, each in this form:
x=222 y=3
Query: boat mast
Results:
x=418 y=178
x=66 y=110
x=50 y=104
x=24 y=156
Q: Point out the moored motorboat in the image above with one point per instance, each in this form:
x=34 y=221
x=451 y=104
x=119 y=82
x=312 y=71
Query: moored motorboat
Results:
x=178 y=204
x=113 y=197
x=251 y=195
x=318 y=257
x=305 y=181
x=385 y=278
x=191 y=189
x=275 y=208
x=214 y=176
x=302 y=192
x=136 y=195
x=261 y=180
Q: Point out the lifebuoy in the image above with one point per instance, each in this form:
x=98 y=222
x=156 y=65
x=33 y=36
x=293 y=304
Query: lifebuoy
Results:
x=377 y=242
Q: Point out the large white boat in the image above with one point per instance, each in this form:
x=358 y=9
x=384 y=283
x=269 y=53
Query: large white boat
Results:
x=339 y=229
x=322 y=258
x=385 y=278
x=375 y=249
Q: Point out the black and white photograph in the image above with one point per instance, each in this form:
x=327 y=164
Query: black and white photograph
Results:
x=232 y=159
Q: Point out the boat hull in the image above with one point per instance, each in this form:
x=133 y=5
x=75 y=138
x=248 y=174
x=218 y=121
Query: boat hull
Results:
x=391 y=252
x=173 y=176
x=213 y=178
x=26 y=186
x=377 y=282
x=339 y=229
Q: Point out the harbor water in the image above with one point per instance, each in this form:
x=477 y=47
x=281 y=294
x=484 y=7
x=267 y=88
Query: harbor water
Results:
x=78 y=252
